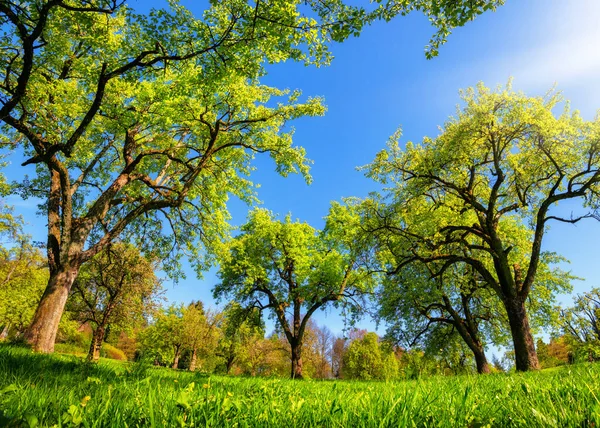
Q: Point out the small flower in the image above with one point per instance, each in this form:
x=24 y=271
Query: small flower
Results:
x=85 y=400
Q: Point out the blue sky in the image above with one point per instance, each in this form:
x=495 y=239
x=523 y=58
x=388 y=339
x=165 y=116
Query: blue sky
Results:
x=381 y=81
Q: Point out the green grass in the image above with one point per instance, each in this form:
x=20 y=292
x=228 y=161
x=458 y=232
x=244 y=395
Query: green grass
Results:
x=40 y=390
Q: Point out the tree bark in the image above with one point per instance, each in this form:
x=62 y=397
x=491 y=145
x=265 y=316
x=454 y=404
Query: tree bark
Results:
x=5 y=330
x=525 y=355
x=229 y=364
x=296 y=361
x=476 y=348
x=193 y=360
x=176 y=358
x=483 y=366
x=41 y=334
x=96 y=345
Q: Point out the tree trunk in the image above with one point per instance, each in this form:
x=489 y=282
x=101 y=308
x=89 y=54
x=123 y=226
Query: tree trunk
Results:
x=96 y=345
x=176 y=358
x=296 y=361
x=525 y=355
x=483 y=366
x=5 y=330
x=476 y=348
x=229 y=364
x=193 y=360
x=41 y=334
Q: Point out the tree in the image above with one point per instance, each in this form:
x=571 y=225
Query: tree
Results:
x=366 y=359
x=133 y=120
x=201 y=331
x=580 y=325
x=337 y=356
x=23 y=276
x=323 y=352
x=582 y=321
x=116 y=288
x=163 y=340
x=242 y=329
x=418 y=307
x=481 y=192
x=291 y=269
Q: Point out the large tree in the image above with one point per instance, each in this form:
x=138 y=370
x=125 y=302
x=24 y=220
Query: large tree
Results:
x=116 y=288
x=481 y=193
x=131 y=120
x=292 y=270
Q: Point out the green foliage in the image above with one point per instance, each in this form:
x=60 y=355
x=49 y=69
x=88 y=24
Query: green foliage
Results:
x=44 y=388
x=292 y=270
x=286 y=263
x=159 y=340
x=367 y=359
x=479 y=195
x=23 y=277
x=116 y=288
x=138 y=113
x=241 y=331
x=109 y=351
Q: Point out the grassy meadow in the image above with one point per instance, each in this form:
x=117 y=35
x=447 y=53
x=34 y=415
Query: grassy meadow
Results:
x=65 y=391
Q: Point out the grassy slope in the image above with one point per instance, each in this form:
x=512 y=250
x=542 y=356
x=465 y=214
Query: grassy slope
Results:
x=62 y=390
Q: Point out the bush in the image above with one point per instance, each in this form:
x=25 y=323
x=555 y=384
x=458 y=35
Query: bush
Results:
x=109 y=351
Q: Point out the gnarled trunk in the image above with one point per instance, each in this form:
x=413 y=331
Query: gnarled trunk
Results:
x=525 y=355
x=193 y=360
x=96 y=345
x=296 y=361
x=41 y=334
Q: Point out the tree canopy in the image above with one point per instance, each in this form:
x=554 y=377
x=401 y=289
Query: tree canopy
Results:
x=134 y=121
x=292 y=270
x=481 y=193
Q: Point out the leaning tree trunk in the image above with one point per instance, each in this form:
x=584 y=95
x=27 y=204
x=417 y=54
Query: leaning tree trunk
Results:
x=96 y=345
x=476 y=348
x=229 y=364
x=481 y=361
x=5 y=331
x=296 y=361
x=176 y=358
x=41 y=334
x=193 y=359
x=525 y=355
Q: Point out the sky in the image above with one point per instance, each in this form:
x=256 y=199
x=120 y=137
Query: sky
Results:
x=381 y=81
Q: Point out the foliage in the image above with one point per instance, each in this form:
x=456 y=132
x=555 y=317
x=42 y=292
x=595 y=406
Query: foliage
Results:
x=368 y=359
x=556 y=353
x=241 y=331
x=109 y=351
x=292 y=270
x=163 y=397
x=23 y=277
x=24 y=274
x=479 y=194
x=201 y=334
x=162 y=339
x=120 y=279
x=582 y=320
